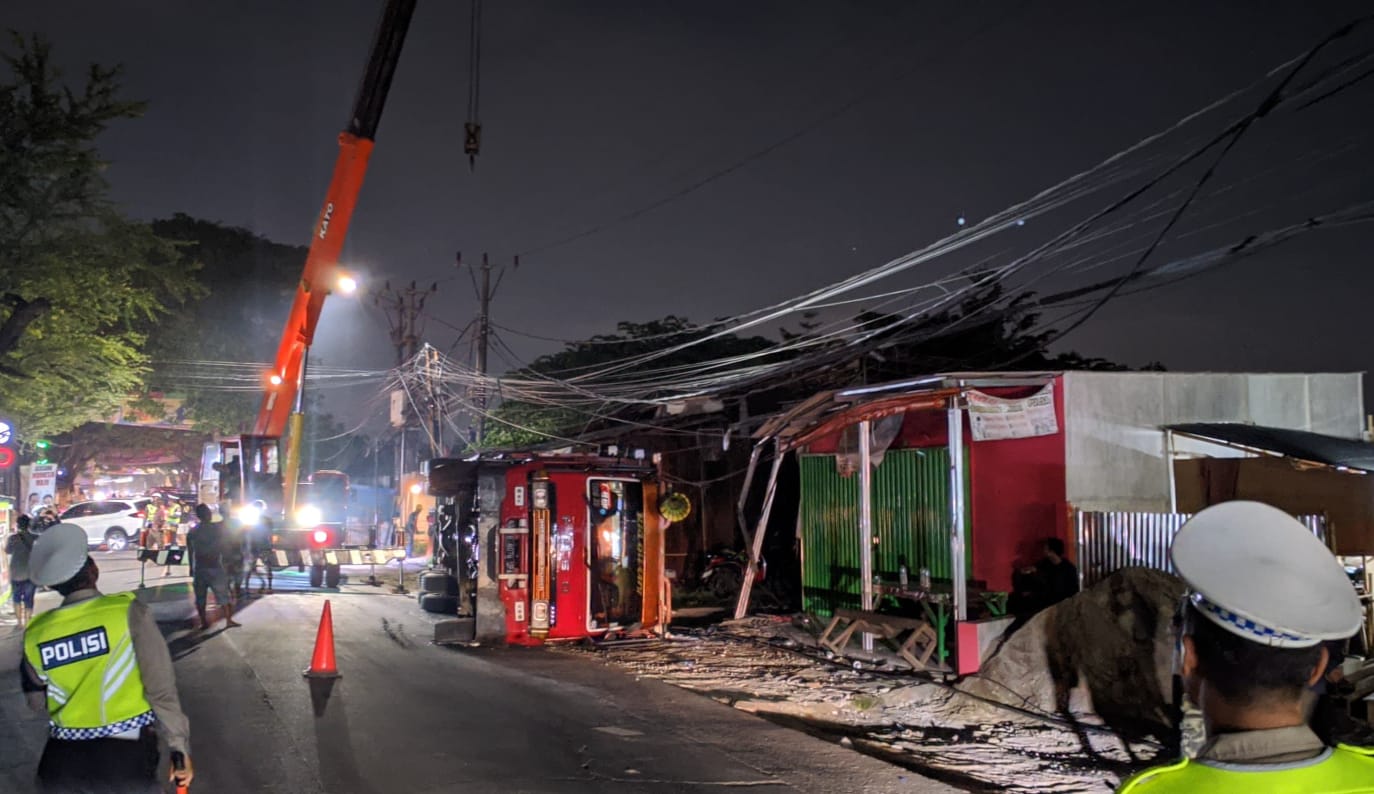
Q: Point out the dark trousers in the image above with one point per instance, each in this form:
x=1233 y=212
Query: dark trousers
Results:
x=100 y=766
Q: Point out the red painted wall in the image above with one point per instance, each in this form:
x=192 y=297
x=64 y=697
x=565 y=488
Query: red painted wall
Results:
x=1018 y=497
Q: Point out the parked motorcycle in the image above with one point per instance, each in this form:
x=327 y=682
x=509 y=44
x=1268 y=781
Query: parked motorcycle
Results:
x=723 y=572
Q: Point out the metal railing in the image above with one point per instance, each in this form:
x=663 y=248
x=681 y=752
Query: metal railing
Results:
x=1107 y=542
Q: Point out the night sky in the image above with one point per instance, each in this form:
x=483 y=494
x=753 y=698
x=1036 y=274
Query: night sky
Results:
x=592 y=110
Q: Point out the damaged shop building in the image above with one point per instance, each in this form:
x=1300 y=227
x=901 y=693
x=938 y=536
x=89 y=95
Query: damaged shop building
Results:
x=963 y=476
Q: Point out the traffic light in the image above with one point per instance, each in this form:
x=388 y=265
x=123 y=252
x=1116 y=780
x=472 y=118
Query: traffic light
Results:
x=42 y=443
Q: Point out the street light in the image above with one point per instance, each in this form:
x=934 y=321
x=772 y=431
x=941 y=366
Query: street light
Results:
x=347 y=284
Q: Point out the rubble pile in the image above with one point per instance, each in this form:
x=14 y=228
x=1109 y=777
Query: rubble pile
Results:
x=764 y=666
x=1105 y=653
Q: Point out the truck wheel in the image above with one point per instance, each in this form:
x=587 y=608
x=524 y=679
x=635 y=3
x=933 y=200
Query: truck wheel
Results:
x=332 y=575
x=317 y=576
x=439 y=604
x=441 y=583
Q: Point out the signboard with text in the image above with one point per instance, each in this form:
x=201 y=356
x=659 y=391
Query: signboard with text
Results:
x=994 y=418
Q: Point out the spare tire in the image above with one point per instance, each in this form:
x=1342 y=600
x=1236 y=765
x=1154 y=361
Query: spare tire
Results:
x=439 y=604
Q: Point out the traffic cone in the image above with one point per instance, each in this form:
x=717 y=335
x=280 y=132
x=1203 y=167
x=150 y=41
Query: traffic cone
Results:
x=322 y=662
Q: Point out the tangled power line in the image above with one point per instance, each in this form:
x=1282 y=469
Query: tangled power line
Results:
x=1169 y=207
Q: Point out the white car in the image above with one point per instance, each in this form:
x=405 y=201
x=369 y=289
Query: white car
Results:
x=113 y=523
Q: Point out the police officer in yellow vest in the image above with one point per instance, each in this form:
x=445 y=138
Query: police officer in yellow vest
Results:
x=1264 y=594
x=100 y=669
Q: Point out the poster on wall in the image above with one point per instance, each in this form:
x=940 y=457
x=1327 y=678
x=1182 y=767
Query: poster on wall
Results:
x=994 y=418
x=42 y=486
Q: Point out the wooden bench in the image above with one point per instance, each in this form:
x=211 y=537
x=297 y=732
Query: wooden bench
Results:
x=916 y=649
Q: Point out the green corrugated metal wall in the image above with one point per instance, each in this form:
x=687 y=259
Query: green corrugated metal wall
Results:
x=910 y=519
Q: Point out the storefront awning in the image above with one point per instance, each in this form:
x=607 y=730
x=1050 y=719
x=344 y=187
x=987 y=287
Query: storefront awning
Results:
x=1298 y=444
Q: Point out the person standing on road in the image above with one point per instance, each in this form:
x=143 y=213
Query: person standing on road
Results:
x=19 y=545
x=259 y=539
x=234 y=539
x=1264 y=595
x=207 y=550
x=98 y=667
x=412 y=526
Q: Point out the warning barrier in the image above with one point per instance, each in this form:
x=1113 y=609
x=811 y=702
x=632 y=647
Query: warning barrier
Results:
x=172 y=555
x=287 y=558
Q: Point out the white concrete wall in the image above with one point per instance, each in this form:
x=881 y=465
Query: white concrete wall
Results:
x=1115 y=449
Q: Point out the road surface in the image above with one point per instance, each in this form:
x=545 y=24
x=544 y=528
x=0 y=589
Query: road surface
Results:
x=408 y=716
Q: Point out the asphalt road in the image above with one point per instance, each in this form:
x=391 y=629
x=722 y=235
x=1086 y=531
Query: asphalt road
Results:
x=408 y=716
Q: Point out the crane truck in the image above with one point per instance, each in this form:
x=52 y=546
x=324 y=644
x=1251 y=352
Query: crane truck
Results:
x=254 y=466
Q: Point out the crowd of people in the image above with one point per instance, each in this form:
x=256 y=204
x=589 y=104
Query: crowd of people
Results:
x=222 y=551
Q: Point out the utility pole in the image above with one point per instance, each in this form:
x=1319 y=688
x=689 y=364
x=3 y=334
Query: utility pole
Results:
x=485 y=292
x=403 y=307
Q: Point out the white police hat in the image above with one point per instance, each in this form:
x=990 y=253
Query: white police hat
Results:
x=58 y=554
x=1259 y=573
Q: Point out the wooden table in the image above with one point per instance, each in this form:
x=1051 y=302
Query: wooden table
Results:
x=934 y=601
x=916 y=649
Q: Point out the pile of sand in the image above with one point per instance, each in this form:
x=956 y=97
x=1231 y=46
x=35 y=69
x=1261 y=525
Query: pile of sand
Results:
x=1108 y=651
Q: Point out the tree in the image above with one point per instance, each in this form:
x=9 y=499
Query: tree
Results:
x=79 y=277
x=987 y=330
x=516 y=423
x=247 y=283
x=118 y=446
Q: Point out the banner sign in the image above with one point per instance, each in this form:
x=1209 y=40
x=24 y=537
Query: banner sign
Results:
x=993 y=418
x=42 y=486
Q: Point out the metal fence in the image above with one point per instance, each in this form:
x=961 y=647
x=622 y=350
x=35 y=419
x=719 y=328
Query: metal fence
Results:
x=1108 y=542
x=911 y=522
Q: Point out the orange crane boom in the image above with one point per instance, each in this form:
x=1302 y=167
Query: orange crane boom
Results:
x=286 y=380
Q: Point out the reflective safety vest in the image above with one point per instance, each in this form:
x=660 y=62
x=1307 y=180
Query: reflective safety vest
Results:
x=84 y=653
x=1339 y=770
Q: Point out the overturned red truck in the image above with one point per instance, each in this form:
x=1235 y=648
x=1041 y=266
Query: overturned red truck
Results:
x=546 y=547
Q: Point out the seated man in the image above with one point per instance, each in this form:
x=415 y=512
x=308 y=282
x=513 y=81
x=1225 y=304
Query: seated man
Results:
x=1049 y=581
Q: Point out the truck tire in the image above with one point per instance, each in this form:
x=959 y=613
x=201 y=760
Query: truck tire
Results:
x=332 y=575
x=435 y=582
x=317 y=576
x=439 y=604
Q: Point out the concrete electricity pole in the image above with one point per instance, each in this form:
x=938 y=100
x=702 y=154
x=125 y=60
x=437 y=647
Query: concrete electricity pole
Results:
x=403 y=307
x=485 y=292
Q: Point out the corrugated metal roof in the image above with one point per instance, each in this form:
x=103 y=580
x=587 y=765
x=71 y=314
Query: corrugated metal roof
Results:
x=1298 y=444
x=834 y=409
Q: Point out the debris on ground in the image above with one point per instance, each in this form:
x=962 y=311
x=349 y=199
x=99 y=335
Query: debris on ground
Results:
x=1107 y=648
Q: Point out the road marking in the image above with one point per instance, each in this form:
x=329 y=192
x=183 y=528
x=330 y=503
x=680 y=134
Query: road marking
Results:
x=616 y=730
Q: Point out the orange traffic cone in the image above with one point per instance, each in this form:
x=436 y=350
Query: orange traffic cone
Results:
x=322 y=663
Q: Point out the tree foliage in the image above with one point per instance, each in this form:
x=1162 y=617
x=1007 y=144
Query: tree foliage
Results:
x=987 y=330
x=93 y=443
x=247 y=282
x=516 y=423
x=81 y=281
